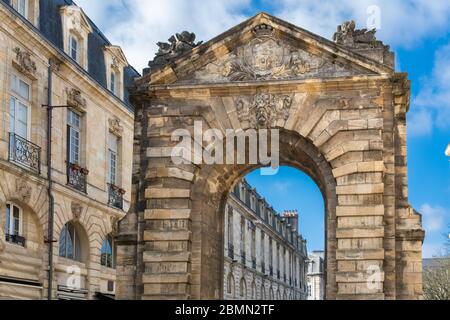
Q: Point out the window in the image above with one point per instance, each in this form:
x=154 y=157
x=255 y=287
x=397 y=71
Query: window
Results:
x=74 y=48
x=13 y=224
x=230 y=284
x=309 y=291
x=73 y=137
x=22 y=7
x=70 y=243
x=243 y=289
x=108 y=253
x=230 y=225
x=254 y=293
x=112 y=159
x=19 y=106
x=113 y=83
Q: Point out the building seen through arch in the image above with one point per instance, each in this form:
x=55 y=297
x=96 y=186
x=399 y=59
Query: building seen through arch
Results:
x=262 y=248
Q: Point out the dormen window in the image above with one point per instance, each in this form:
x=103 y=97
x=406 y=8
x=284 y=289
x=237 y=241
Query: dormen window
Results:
x=22 y=7
x=113 y=83
x=74 y=48
x=13 y=225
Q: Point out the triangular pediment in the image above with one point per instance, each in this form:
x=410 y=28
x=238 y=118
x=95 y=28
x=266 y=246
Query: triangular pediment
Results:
x=265 y=48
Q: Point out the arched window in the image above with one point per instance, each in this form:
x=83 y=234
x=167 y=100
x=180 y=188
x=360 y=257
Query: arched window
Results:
x=230 y=284
x=70 y=243
x=243 y=289
x=13 y=225
x=254 y=293
x=108 y=254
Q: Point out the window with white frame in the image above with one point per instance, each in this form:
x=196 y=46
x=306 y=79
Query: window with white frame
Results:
x=19 y=106
x=73 y=137
x=112 y=159
x=70 y=243
x=107 y=257
x=74 y=48
x=113 y=82
x=22 y=7
x=13 y=222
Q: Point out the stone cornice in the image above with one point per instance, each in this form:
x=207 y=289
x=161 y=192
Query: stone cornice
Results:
x=181 y=91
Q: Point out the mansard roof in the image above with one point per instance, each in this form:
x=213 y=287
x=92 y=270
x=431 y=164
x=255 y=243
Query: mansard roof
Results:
x=297 y=54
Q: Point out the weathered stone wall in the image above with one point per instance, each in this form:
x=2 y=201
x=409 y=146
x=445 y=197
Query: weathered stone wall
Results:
x=343 y=126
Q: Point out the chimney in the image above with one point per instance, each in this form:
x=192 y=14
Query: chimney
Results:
x=291 y=217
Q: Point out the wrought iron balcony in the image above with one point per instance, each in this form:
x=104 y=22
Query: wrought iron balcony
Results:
x=231 y=251
x=15 y=239
x=24 y=153
x=77 y=177
x=115 y=196
x=254 y=263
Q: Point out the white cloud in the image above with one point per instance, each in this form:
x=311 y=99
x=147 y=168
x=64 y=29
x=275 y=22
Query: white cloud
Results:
x=435 y=219
x=434 y=98
x=137 y=25
x=282 y=186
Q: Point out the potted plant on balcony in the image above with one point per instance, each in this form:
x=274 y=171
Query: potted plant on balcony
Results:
x=122 y=191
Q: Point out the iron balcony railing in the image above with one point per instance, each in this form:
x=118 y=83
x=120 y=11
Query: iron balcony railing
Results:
x=15 y=239
x=24 y=153
x=231 y=251
x=77 y=177
x=115 y=196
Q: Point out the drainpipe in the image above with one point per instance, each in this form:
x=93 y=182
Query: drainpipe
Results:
x=51 y=200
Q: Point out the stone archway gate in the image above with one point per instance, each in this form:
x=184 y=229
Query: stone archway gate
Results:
x=341 y=109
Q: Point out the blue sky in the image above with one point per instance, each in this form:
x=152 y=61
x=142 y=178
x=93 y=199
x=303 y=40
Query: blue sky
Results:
x=418 y=32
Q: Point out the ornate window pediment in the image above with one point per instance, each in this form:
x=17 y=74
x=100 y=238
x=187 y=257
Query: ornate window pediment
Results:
x=75 y=100
x=24 y=63
x=115 y=127
x=75 y=26
x=115 y=61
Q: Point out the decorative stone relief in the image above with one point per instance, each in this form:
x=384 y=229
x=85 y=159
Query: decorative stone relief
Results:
x=77 y=211
x=268 y=58
x=114 y=224
x=348 y=35
x=264 y=109
x=23 y=191
x=178 y=44
x=24 y=62
x=75 y=100
x=115 y=127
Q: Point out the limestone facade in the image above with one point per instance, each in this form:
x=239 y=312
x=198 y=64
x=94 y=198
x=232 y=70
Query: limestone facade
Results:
x=340 y=108
x=316 y=276
x=265 y=257
x=95 y=122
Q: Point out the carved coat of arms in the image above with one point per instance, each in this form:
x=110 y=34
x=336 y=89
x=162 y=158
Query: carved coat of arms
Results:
x=264 y=109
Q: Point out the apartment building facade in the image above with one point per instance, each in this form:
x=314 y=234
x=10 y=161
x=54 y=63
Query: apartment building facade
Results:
x=265 y=256
x=61 y=78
